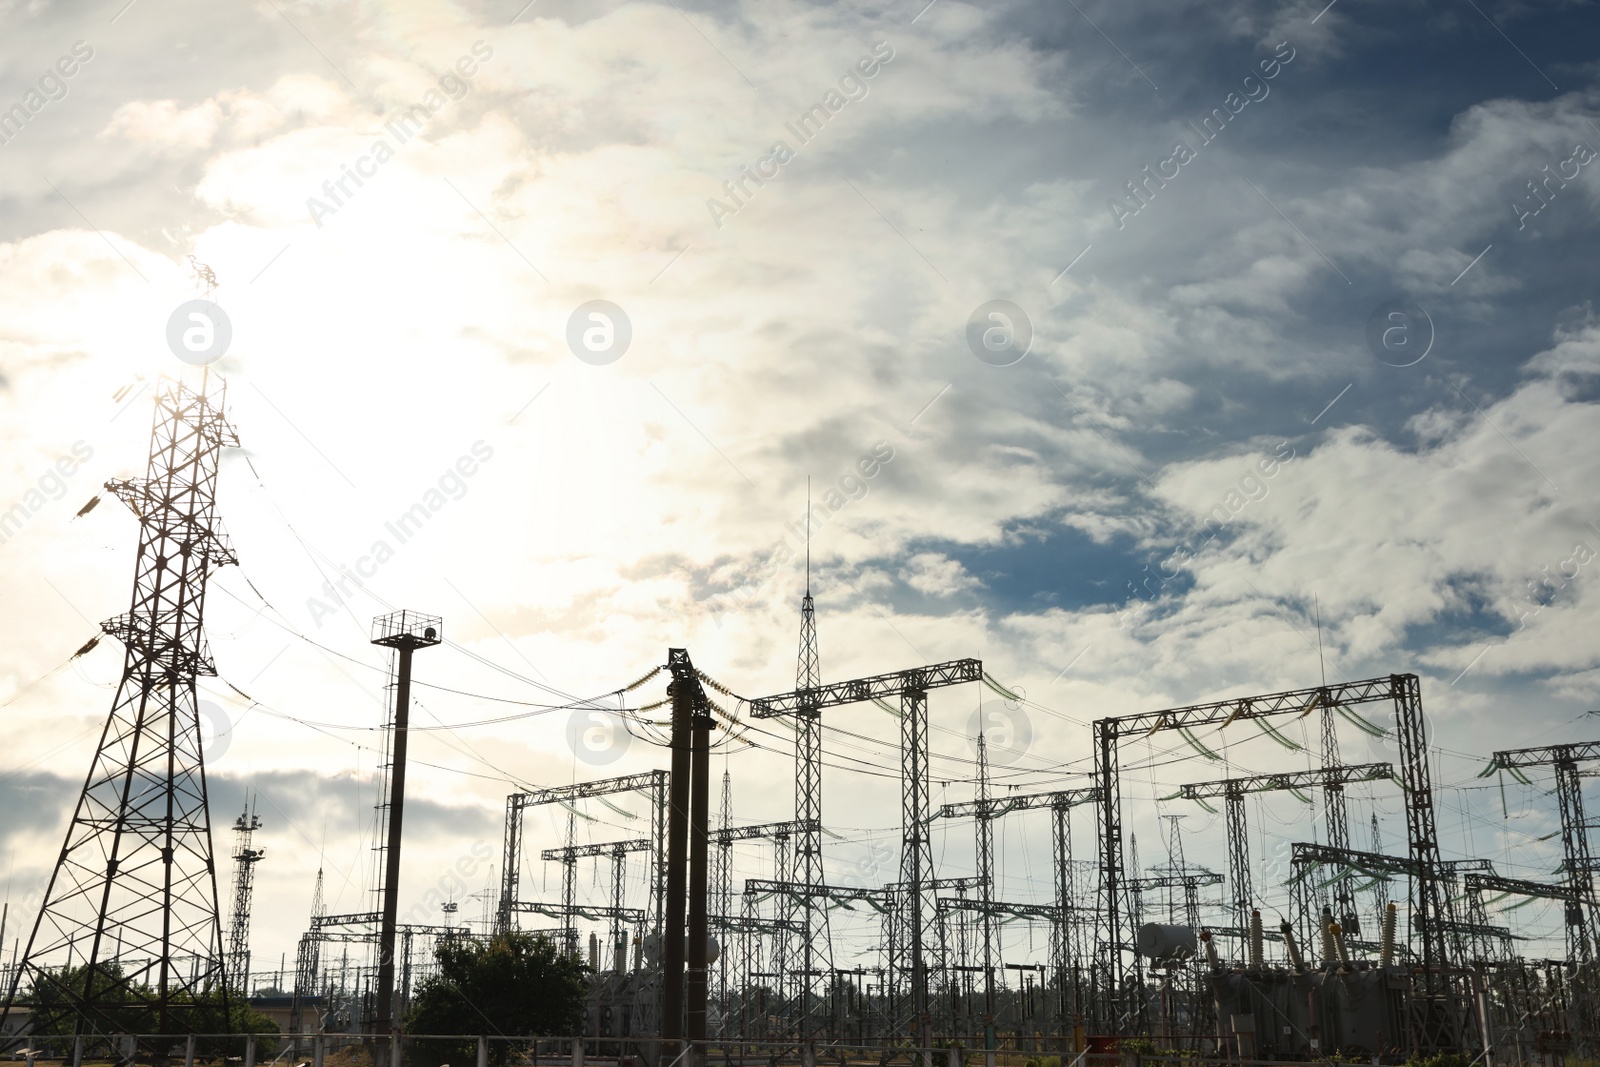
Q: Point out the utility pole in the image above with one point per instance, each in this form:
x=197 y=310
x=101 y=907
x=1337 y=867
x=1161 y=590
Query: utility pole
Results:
x=404 y=632
x=683 y=1001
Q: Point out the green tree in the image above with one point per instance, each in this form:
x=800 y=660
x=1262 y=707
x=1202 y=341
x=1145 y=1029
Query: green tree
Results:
x=126 y=1006
x=514 y=984
x=121 y=1005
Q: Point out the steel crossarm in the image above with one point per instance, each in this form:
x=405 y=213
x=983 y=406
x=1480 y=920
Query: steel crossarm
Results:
x=598 y=848
x=998 y=806
x=880 y=686
x=1317 y=778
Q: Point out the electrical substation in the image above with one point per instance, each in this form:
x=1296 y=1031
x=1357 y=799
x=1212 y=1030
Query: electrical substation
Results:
x=703 y=929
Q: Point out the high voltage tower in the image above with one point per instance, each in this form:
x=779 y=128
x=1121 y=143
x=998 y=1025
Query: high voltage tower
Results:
x=130 y=912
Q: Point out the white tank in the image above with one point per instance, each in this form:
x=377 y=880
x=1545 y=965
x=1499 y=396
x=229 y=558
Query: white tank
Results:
x=1162 y=941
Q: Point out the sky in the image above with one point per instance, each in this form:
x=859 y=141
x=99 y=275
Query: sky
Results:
x=1153 y=354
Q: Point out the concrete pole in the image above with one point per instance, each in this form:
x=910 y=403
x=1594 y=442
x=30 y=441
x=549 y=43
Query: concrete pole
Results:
x=699 y=857
x=677 y=867
x=391 y=879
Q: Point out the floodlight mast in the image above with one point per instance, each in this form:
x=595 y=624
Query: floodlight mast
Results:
x=405 y=632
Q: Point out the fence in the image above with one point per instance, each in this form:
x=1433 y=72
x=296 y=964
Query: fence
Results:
x=482 y=1050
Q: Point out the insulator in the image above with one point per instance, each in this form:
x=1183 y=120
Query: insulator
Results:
x=1257 y=945
x=1328 y=953
x=1391 y=916
x=1336 y=933
x=1210 y=947
x=1296 y=960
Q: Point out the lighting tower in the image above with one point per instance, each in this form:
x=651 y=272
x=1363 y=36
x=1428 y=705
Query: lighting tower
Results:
x=245 y=859
x=132 y=902
x=405 y=632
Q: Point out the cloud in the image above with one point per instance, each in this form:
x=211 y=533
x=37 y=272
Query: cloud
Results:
x=1026 y=507
x=161 y=126
x=934 y=575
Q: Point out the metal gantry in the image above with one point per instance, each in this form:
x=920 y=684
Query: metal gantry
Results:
x=920 y=915
x=568 y=856
x=1234 y=790
x=1124 y=1006
x=1582 y=910
x=653 y=784
x=1066 y=942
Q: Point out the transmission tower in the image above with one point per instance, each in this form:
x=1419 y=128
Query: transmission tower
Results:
x=130 y=912
x=245 y=859
x=815 y=951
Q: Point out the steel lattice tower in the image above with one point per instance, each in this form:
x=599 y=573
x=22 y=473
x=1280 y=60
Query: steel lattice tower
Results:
x=1333 y=802
x=918 y=904
x=984 y=824
x=813 y=940
x=132 y=902
x=307 y=961
x=245 y=859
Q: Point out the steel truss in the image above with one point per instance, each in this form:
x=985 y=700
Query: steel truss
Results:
x=1438 y=1023
x=132 y=902
x=651 y=783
